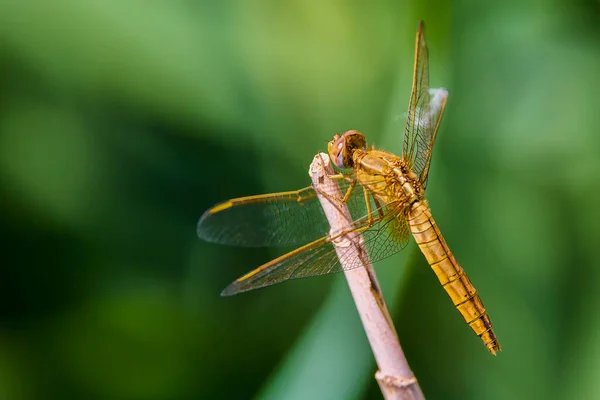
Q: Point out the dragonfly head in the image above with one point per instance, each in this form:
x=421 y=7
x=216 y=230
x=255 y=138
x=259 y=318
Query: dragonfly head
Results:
x=341 y=148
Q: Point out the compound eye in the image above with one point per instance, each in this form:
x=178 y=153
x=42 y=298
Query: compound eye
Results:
x=341 y=153
x=337 y=149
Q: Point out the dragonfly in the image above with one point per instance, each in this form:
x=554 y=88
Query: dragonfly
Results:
x=385 y=194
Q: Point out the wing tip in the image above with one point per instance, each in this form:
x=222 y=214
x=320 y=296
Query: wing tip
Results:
x=201 y=226
x=202 y=230
x=420 y=37
x=228 y=291
x=232 y=289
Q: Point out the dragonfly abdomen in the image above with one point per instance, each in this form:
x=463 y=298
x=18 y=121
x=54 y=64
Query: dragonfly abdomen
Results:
x=450 y=274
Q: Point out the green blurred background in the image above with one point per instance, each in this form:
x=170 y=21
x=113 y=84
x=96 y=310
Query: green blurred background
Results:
x=122 y=121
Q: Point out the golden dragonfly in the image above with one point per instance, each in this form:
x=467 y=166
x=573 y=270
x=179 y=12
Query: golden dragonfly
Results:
x=385 y=196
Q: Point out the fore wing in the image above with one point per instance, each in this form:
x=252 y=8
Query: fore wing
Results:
x=425 y=111
x=277 y=219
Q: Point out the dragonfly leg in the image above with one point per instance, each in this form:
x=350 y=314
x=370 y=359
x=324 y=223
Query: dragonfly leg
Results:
x=368 y=205
x=339 y=177
x=379 y=207
x=370 y=219
x=349 y=191
x=347 y=195
x=362 y=225
x=368 y=224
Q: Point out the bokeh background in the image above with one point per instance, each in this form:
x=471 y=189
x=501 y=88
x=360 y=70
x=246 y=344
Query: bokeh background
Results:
x=122 y=121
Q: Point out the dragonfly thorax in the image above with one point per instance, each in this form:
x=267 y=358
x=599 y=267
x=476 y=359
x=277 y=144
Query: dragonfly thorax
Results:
x=387 y=177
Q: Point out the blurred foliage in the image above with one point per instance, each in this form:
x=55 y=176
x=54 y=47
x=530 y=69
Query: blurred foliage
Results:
x=121 y=122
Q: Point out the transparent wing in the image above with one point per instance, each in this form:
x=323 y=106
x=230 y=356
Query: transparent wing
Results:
x=278 y=219
x=437 y=104
x=388 y=235
x=424 y=115
x=291 y=217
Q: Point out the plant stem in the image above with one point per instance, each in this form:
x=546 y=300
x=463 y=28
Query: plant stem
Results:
x=395 y=377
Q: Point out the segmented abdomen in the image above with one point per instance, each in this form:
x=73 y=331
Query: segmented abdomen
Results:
x=450 y=274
